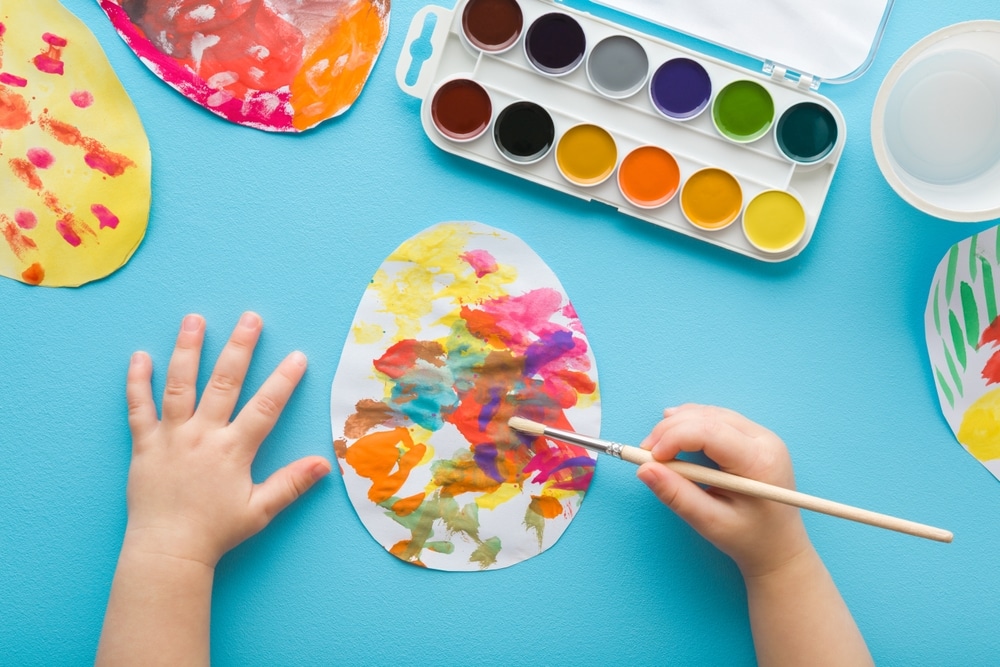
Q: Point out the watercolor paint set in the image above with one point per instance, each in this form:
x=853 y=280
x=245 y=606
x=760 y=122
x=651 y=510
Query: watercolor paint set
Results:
x=577 y=103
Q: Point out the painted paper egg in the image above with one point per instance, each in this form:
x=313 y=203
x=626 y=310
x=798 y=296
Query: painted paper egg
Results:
x=462 y=328
x=962 y=326
x=74 y=158
x=276 y=65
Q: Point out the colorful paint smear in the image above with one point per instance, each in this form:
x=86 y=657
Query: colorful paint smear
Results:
x=74 y=158
x=962 y=326
x=276 y=65
x=463 y=327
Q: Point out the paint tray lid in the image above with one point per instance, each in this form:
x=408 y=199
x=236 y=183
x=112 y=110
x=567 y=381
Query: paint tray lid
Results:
x=833 y=41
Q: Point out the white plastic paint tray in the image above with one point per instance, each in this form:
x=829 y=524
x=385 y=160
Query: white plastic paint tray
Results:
x=696 y=144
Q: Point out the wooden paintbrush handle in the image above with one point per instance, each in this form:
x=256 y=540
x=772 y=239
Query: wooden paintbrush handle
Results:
x=751 y=487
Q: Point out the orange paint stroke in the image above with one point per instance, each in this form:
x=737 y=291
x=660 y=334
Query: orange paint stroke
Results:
x=406 y=506
x=34 y=274
x=386 y=458
x=332 y=76
x=19 y=243
x=547 y=506
x=26 y=171
x=14 y=112
x=98 y=156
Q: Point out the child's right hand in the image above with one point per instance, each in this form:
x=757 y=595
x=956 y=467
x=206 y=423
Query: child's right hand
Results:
x=760 y=535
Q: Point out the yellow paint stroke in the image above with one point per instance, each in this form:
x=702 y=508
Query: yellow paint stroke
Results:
x=367 y=334
x=65 y=191
x=429 y=260
x=332 y=76
x=980 y=429
x=490 y=501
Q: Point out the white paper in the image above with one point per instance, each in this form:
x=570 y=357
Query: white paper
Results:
x=963 y=342
x=463 y=327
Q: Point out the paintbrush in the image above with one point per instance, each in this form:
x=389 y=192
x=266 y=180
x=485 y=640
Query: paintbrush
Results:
x=731 y=482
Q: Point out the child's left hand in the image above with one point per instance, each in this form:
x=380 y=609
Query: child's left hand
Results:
x=190 y=494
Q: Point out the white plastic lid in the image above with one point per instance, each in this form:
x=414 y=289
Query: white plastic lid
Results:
x=833 y=41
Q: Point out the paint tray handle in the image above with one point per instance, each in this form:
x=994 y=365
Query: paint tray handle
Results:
x=437 y=42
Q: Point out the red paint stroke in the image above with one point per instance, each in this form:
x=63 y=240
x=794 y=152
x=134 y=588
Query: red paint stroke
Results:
x=25 y=219
x=26 y=172
x=82 y=98
x=991 y=371
x=34 y=274
x=107 y=218
x=67 y=232
x=270 y=110
x=19 y=243
x=481 y=261
x=991 y=334
x=97 y=157
x=41 y=158
x=12 y=80
x=14 y=112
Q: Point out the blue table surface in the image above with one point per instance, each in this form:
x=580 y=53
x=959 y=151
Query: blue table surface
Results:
x=827 y=350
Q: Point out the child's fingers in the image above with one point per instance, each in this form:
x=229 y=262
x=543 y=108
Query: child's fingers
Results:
x=685 y=498
x=733 y=418
x=180 y=390
x=223 y=389
x=721 y=442
x=139 y=394
x=284 y=486
x=259 y=415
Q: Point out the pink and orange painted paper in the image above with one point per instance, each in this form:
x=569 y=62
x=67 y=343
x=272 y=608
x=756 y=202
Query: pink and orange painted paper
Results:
x=463 y=327
x=276 y=65
x=74 y=158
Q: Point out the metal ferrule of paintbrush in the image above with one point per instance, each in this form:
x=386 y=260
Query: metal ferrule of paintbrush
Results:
x=593 y=444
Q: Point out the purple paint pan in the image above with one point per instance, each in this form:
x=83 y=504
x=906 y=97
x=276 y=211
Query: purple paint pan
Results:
x=680 y=89
x=555 y=44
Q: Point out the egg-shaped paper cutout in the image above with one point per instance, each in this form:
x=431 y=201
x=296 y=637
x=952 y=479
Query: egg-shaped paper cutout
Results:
x=462 y=327
x=74 y=158
x=276 y=65
x=962 y=326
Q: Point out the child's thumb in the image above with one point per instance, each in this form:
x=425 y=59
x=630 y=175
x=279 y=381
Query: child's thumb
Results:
x=284 y=486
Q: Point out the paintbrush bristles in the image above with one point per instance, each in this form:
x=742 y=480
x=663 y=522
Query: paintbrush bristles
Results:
x=526 y=426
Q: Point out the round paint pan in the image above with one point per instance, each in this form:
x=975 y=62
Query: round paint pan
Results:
x=711 y=199
x=680 y=89
x=806 y=133
x=617 y=67
x=936 y=123
x=774 y=221
x=586 y=155
x=492 y=26
x=648 y=177
x=743 y=111
x=555 y=44
x=524 y=133
x=461 y=110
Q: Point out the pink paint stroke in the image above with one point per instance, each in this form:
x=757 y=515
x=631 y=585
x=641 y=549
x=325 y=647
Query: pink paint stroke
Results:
x=107 y=218
x=82 y=98
x=68 y=233
x=25 y=219
x=41 y=158
x=13 y=80
x=481 y=261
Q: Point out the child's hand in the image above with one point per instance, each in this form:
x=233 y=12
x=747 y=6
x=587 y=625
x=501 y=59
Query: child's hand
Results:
x=760 y=535
x=190 y=494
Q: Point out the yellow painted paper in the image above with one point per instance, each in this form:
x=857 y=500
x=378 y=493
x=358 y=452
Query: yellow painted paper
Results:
x=74 y=158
